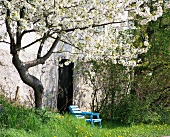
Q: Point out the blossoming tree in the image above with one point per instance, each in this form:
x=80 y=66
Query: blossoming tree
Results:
x=75 y=22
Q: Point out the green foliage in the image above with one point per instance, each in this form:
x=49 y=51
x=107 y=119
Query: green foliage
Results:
x=49 y=124
x=17 y=116
x=151 y=81
x=107 y=79
x=132 y=110
x=129 y=96
x=150 y=101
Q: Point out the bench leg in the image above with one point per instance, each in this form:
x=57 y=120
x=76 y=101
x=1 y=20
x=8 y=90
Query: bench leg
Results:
x=92 y=124
x=100 y=124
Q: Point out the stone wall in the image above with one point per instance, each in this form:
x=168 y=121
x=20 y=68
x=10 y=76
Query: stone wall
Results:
x=12 y=86
x=10 y=83
x=82 y=93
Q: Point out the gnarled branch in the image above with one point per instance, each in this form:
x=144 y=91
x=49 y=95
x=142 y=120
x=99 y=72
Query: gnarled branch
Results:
x=42 y=60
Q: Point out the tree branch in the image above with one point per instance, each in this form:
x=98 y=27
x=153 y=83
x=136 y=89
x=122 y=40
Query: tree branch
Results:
x=37 y=40
x=93 y=26
x=42 y=60
x=29 y=44
x=67 y=52
x=70 y=44
x=67 y=43
x=41 y=44
x=8 y=28
x=3 y=41
x=27 y=31
x=36 y=21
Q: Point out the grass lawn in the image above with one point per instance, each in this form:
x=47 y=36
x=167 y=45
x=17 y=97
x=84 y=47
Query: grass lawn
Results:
x=69 y=127
x=17 y=121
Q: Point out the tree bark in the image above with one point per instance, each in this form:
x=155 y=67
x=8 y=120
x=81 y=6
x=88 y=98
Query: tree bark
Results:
x=30 y=80
x=15 y=47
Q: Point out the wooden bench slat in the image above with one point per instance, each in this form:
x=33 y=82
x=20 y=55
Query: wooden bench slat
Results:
x=75 y=110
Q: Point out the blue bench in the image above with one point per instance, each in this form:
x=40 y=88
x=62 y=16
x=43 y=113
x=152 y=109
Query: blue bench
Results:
x=93 y=117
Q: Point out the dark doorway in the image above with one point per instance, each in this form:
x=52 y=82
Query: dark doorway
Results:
x=65 y=93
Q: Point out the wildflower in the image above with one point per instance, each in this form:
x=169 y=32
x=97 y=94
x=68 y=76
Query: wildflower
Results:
x=146 y=43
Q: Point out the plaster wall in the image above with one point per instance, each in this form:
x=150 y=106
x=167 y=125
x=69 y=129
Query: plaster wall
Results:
x=12 y=86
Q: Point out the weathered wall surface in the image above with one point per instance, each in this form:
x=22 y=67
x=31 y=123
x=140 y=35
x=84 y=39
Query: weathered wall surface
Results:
x=82 y=93
x=10 y=81
x=83 y=90
x=49 y=78
x=12 y=86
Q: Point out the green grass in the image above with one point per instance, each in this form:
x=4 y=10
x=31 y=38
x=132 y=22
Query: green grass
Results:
x=17 y=121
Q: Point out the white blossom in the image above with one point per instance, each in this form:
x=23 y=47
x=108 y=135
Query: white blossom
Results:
x=146 y=43
x=88 y=26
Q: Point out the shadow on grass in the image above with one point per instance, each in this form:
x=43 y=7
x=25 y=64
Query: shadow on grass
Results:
x=111 y=124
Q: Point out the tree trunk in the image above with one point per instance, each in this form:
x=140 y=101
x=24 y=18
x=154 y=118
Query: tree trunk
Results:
x=15 y=47
x=30 y=80
x=38 y=93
